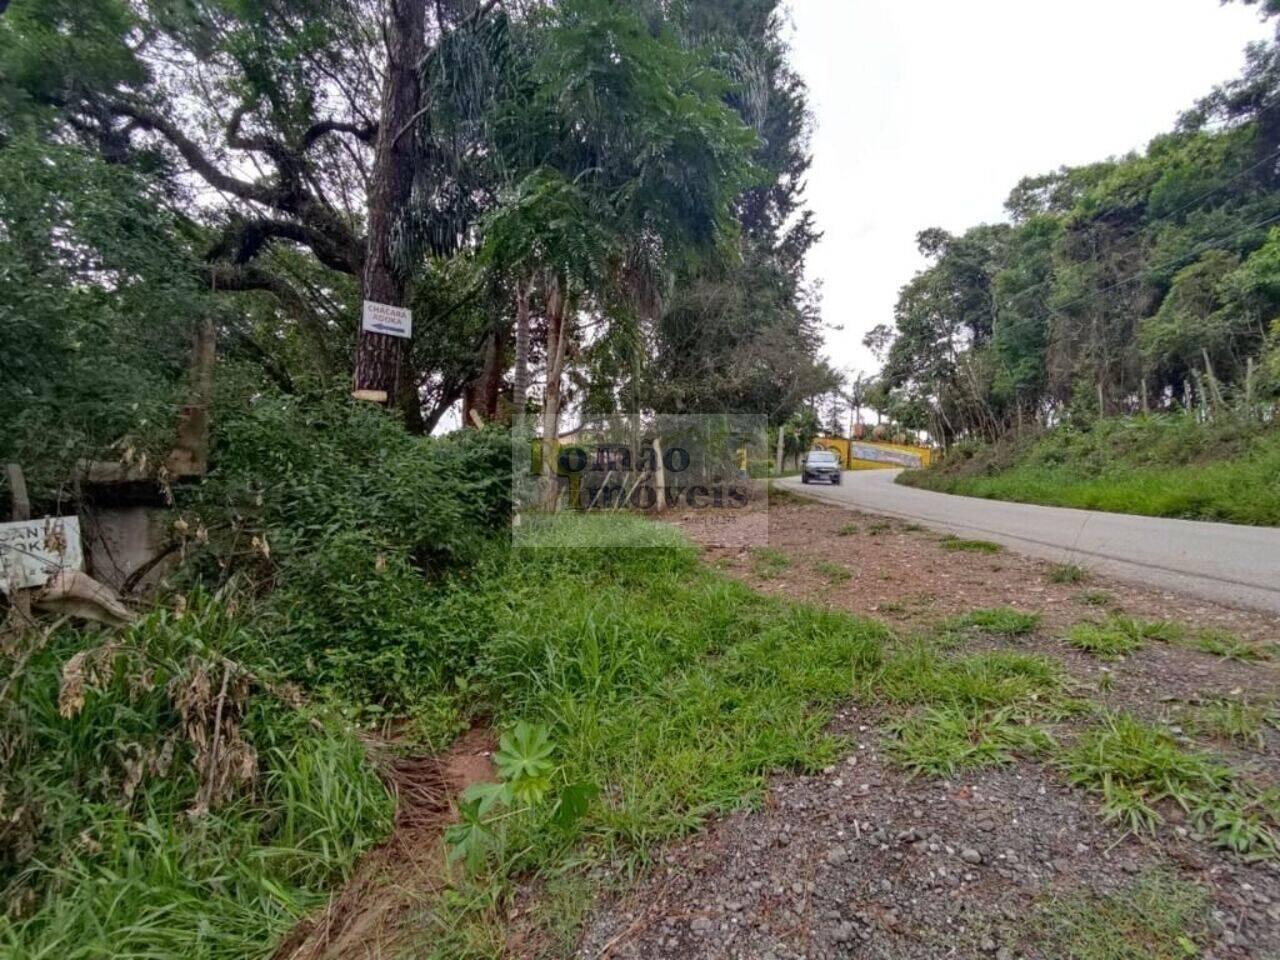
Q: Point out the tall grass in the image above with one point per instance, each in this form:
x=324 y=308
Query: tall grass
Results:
x=1136 y=768
x=101 y=855
x=673 y=689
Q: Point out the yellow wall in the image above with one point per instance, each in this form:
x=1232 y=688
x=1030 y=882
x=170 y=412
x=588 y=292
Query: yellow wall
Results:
x=837 y=445
x=844 y=448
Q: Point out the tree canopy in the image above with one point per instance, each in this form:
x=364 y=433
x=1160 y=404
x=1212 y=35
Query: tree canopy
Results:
x=619 y=182
x=1113 y=287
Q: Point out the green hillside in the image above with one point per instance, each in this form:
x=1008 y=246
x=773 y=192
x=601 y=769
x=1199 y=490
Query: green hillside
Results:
x=1158 y=466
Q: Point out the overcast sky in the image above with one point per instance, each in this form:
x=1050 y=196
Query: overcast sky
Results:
x=928 y=112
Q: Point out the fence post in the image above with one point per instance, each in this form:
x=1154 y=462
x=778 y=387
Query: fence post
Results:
x=21 y=599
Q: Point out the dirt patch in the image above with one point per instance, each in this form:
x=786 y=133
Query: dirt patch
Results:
x=365 y=918
x=901 y=573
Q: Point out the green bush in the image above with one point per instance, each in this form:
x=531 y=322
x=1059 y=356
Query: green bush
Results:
x=99 y=293
x=368 y=537
x=304 y=470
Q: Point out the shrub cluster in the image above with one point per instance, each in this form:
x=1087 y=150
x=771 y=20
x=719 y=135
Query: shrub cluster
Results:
x=369 y=538
x=153 y=784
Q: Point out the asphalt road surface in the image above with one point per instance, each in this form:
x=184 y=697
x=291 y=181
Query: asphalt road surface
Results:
x=1222 y=562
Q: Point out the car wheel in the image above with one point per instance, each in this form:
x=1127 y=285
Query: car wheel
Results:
x=837 y=480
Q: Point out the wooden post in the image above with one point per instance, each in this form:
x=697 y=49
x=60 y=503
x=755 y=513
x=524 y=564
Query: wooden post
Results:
x=21 y=599
x=1248 y=388
x=190 y=455
x=18 y=491
x=659 y=472
x=1146 y=402
x=778 y=461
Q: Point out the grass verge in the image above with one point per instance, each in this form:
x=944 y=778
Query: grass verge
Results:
x=833 y=573
x=133 y=827
x=1235 y=720
x=1067 y=573
x=996 y=622
x=1119 y=636
x=767 y=563
x=940 y=741
x=957 y=545
x=1158 y=466
x=671 y=689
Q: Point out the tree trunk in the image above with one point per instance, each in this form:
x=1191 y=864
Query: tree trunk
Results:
x=1248 y=389
x=494 y=367
x=557 y=338
x=481 y=394
x=381 y=360
x=20 y=509
x=520 y=390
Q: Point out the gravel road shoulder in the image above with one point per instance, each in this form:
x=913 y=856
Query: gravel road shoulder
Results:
x=863 y=860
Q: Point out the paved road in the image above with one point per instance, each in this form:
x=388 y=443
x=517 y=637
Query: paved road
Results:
x=1216 y=561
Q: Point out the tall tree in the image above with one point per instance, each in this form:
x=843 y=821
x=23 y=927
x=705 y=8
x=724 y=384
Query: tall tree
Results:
x=624 y=162
x=262 y=110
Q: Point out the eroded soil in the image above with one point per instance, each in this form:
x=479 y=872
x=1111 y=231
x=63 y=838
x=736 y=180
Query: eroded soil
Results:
x=368 y=917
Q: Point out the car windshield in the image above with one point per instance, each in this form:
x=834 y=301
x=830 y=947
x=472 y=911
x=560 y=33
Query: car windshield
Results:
x=822 y=456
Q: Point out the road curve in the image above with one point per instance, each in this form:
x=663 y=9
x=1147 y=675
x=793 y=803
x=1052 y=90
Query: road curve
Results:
x=1222 y=562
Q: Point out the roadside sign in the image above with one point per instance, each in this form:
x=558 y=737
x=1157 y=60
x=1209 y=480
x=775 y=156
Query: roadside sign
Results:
x=32 y=551
x=386 y=319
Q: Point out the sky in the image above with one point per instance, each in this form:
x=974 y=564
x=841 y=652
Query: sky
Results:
x=927 y=113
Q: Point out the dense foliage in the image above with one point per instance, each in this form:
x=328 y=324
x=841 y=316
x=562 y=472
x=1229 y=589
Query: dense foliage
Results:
x=1149 y=281
x=131 y=825
x=634 y=166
